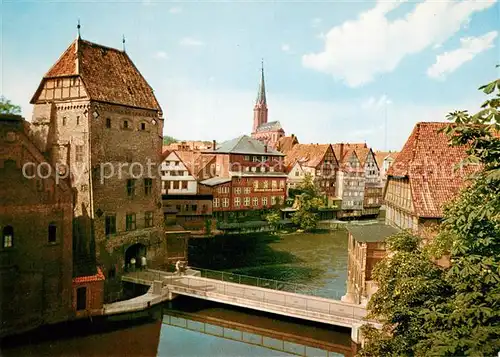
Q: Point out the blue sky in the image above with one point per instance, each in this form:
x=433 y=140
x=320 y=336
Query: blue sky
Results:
x=335 y=71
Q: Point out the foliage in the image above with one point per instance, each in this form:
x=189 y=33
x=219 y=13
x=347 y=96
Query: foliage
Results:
x=208 y=226
x=452 y=311
x=308 y=203
x=273 y=218
x=6 y=107
x=167 y=140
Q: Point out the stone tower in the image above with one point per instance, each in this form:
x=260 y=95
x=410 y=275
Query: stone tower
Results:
x=260 y=108
x=99 y=120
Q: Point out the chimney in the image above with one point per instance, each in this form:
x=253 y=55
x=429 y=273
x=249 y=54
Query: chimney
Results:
x=214 y=145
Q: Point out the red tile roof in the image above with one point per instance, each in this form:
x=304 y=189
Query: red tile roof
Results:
x=309 y=155
x=286 y=143
x=90 y=278
x=380 y=156
x=195 y=161
x=430 y=163
x=108 y=74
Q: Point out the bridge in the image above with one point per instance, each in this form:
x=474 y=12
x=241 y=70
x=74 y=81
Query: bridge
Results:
x=239 y=290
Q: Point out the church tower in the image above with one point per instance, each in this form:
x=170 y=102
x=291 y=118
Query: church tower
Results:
x=260 y=108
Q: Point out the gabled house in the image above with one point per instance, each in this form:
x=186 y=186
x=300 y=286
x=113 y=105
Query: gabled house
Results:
x=385 y=159
x=176 y=176
x=350 y=181
x=296 y=174
x=319 y=161
x=423 y=178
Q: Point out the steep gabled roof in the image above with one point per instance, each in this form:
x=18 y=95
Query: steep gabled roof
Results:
x=429 y=162
x=270 y=126
x=380 y=156
x=109 y=75
x=245 y=145
x=195 y=161
x=309 y=155
x=286 y=143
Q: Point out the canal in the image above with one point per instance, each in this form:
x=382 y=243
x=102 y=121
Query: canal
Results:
x=191 y=327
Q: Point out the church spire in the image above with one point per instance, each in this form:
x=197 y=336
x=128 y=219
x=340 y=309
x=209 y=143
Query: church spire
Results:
x=261 y=95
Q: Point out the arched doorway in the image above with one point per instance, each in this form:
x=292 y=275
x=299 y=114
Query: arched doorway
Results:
x=134 y=253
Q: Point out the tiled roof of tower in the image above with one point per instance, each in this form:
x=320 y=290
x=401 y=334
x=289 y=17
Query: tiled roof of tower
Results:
x=430 y=164
x=271 y=126
x=286 y=143
x=307 y=154
x=244 y=145
x=109 y=75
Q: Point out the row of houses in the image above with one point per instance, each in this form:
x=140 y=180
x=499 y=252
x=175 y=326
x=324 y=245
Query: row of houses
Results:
x=244 y=174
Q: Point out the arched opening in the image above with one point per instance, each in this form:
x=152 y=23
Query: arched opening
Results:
x=8 y=237
x=52 y=232
x=133 y=256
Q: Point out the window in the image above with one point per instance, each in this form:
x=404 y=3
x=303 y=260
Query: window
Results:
x=237 y=201
x=81 y=298
x=264 y=158
x=282 y=183
x=265 y=184
x=108 y=123
x=125 y=124
x=58 y=83
x=297 y=173
x=225 y=202
x=255 y=185
x=271 y=168
x=255 y=201
x=148 y=219
x=143 y=126
x=246 y=190
x=194 y=208
x=52 y=232
x=148 y=186
x=246 y=201
x=110 y=224
x=264 y=201
x=274 y=184
x=184 y=185
x=178 y=208
x=8 y=237
x=255 y=159
x=79 y=153
x=247 y=168
x=177 y=163
x=166 y=185
x=247 y=158
x=273 y=200
x=216 y=202
x=77 y=120
x=237 y=190
x=176 y=185
x=130 y=222
x=131 y=187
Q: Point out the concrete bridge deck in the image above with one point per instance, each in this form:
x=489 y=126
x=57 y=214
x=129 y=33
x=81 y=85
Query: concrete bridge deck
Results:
x=165 y=286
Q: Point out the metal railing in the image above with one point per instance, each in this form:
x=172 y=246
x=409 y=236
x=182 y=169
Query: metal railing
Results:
x=273 y=284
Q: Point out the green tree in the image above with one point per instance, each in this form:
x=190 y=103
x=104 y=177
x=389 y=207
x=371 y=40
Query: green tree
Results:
x=6 y=107
x=169 y=140
x=308 y=203
x=273 y=218
x=428 y=310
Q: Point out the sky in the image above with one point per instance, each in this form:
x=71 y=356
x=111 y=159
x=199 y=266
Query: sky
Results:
x=336 y=71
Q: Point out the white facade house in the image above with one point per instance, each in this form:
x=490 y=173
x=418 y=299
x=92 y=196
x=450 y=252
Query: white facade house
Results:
x=296 y=174
x=176 y=177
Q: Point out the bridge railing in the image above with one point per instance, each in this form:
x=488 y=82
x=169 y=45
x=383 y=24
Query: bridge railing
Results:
x=305 y=289
x=264 y=297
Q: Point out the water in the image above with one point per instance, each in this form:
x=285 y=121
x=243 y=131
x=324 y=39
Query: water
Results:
x=191 y=327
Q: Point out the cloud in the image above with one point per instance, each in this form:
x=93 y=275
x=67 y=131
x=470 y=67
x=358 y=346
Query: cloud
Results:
x=358 y=50
x=206 y=111
x=161 y=55
x=191 y=42
x=285 y=47
x=449 y=62
x=316 y=22
x=175 y=10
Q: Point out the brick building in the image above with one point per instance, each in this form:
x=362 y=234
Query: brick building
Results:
x=319 y=161
x=350 y=181
x=248 y=176
x=95 y=113
x=267 y=132
x=366 y=248
x=423 y=178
